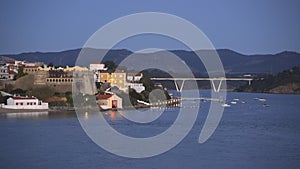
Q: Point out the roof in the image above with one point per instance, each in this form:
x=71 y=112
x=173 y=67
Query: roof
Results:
x=119 y=71
x=134 y=74
x=11 y=62
x=23 y=98
x=31 y=66
x=96 y=63
x=12 y=72
x=103 y=96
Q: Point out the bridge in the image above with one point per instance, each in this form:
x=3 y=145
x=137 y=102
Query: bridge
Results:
x=216 y=87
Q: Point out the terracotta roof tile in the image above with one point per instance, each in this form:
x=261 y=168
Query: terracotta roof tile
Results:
x=103 y=96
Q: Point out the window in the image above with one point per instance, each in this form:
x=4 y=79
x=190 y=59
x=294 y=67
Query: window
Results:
x=21 y=104
x=17 y=103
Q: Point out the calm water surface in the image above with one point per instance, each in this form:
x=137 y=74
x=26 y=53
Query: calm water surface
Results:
x=249 y=136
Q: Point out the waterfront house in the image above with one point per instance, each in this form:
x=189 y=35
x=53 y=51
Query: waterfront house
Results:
x=18 y=102
x=109 y=101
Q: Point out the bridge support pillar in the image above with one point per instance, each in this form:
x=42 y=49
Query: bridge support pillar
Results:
x=218 y=87
x=179 y=89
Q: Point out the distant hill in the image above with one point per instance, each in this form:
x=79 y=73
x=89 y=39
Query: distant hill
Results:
x=234 y=63
x=5 y=59
x=287 y=81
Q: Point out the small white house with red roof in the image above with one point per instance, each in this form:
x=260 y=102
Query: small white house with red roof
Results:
x=109 y=101
x=18 y=102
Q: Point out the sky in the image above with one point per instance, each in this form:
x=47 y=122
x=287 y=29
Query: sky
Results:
x=248 y=27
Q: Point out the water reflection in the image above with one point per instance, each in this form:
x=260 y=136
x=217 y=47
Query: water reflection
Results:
x=38 y=115
x=112 y=115
x=86 y=115
x=27 y=115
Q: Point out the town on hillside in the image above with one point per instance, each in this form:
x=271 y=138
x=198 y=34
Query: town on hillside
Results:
x=53 y=84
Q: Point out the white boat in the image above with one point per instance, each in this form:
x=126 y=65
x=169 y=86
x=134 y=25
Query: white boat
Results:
x=262 y=99
x=236 y=99
x=233 y=102
x=225 y=105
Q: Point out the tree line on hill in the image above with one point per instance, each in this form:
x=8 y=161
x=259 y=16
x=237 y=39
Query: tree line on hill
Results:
x=287 y=81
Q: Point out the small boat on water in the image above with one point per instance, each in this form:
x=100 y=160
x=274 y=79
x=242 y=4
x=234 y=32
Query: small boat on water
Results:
x=262 y=99
x=225 y=105
x=233 y=102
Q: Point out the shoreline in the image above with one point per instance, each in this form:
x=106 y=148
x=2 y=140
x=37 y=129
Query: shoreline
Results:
x=5 y=111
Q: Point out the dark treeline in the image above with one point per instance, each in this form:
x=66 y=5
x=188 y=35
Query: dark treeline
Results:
x=272 y=83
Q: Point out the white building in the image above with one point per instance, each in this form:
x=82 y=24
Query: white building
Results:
x=25 y=103
x=134 y=77
x=7 y=73
x=97 y=66
x=138 y=87
x=3 y=72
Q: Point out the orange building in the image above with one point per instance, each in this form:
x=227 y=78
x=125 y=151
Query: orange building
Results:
x=117 y=78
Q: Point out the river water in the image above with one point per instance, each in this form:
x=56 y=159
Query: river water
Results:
x=249 y=135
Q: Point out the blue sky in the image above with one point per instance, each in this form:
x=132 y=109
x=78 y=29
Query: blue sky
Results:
x=249 y=27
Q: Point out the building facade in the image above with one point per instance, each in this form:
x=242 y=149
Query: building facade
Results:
x=31 y=69
x=109 y=101
x=24 y=103
x=117 y=78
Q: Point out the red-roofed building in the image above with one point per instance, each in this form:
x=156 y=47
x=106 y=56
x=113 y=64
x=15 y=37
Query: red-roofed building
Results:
x=109 y=101
x=12 y=74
